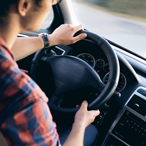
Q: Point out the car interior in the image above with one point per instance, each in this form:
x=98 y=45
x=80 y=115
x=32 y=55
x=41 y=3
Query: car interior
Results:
x=107 y=75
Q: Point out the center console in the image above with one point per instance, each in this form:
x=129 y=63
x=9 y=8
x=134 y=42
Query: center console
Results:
x=129 y=128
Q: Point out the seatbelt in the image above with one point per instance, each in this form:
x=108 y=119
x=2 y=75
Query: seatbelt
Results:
x=2 y=140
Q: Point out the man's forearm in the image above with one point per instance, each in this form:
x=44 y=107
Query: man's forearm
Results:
x=63 y=35
x=25 y=46
x=76 y=136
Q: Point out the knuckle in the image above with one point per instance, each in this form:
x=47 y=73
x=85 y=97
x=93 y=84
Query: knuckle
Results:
x=65 y=25
x=68 y=25
x=73 y=41
x=98 y=112
x=72 y=28
x=80 y=27
x=62 y=25
x=82 y=37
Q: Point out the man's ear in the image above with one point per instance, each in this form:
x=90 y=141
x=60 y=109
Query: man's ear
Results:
x=23 y=7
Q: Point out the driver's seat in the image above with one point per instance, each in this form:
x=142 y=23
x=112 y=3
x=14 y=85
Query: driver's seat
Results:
x=2 y=140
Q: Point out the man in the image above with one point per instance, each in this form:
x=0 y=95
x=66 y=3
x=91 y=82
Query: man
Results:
x=25 y=118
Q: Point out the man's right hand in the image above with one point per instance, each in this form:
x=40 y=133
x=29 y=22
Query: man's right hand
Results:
x=85 y=117
x=64 y=35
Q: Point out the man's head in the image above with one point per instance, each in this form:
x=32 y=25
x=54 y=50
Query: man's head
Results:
x=29 y=13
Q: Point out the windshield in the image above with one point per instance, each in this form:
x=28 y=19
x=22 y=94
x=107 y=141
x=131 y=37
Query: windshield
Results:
x=122 y=21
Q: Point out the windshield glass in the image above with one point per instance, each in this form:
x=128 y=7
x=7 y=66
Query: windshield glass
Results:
x=121 y=21
x=48 y=20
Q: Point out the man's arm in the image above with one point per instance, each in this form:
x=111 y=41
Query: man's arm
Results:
x=25 y=46
x=63 y=35
x=76 y=136
x=83 y=118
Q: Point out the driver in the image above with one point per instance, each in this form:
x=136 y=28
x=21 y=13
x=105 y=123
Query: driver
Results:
x=25 y=118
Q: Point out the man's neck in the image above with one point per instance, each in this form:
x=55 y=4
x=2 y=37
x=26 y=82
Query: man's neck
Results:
x=9 y=33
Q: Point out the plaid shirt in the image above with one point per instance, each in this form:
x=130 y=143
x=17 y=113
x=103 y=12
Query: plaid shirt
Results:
x=25 y=118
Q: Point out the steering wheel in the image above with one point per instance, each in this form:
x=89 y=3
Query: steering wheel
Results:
x=71 y=73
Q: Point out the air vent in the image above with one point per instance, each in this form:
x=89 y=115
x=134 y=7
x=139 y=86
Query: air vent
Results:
x=58 y=50
x=138 y=104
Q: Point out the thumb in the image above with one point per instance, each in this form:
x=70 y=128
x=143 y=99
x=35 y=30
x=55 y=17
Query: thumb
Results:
x=79 y=37
x=95 y=112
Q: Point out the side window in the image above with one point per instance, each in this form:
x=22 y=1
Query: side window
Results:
x=48 y=20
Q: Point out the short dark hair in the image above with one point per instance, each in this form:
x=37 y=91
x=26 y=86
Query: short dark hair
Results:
x=5 y=7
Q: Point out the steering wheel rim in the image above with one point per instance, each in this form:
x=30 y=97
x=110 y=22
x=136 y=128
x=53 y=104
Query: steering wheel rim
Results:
x=113 y=77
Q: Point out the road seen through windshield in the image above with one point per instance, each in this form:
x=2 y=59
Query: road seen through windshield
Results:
x=130 y=33
x=127 y=32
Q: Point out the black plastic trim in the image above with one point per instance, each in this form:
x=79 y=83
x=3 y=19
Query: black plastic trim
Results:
x=123 y=48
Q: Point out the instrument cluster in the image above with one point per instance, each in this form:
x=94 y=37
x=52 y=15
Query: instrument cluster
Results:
x=102 y=68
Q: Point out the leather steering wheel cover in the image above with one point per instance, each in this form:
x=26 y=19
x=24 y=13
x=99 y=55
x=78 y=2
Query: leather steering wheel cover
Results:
x=114 y=71
x=113 y=78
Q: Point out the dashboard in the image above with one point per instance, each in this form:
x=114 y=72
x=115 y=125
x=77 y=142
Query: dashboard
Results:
x=132 y=87
x=129 y=127
x=94 y=56
x=102 y=68
x=130 y=82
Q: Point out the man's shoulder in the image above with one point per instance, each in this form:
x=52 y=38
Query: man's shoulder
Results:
x=3 y=55
x=2 y=51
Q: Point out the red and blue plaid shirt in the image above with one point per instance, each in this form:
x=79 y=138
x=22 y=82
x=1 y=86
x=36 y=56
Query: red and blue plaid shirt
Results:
x=25 y=118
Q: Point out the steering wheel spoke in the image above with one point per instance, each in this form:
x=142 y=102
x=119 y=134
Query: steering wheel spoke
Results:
x=56 y=100
x=43 y=58
x=100 y=86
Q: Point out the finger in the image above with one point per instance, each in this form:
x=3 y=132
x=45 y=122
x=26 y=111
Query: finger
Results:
x=84 y=105
x=79 y=37
x=77 y=105
x=79 y=27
